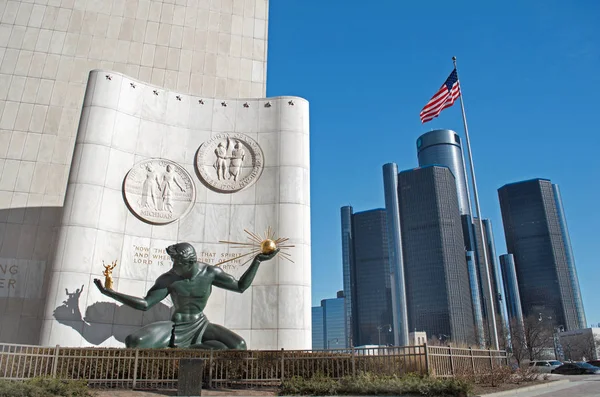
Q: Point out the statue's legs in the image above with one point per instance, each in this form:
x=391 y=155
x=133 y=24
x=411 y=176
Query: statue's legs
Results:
x=217 y=337
x=155 y=335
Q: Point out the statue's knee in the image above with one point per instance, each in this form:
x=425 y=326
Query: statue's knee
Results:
x=241 y=345
x=132 y=341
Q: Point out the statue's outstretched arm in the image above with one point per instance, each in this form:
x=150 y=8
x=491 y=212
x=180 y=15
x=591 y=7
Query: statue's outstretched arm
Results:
x=227 y=281
x=157 y=293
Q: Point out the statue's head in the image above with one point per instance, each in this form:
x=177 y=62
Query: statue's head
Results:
x=183 y=256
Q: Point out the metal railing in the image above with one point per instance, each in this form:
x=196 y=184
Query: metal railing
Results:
x=158 y=368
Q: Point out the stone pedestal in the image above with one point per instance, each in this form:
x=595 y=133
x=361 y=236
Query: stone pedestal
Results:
x=190 y=377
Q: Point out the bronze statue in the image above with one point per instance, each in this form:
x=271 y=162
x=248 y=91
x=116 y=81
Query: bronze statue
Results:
x=189 y=283
x=108 y=280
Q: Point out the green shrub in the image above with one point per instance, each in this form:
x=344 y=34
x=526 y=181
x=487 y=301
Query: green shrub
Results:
x=371 y=384
x=44 y=387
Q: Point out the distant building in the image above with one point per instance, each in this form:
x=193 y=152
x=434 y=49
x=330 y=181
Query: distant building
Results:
x=511 y=290
x=438 y=292
x=347 y=259
x=328 y=328
x=318 y=328
x=366 y=262
x=580 y=344
x=536 y=234
x=417 y=338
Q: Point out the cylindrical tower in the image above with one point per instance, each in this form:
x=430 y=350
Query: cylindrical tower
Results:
x=474 y=282
x=570 y=258
x=346 y=213
x=390 y=187
x=511 y=289
x=443 y=147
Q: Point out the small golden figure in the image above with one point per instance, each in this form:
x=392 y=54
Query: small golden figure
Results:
x=108 y=280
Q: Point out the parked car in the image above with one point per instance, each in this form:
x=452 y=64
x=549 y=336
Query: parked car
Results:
x=595 y=363
x=576 y=369
x=545 y=366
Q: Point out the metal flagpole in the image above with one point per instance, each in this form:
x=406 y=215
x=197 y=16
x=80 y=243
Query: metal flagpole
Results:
x=494 y=336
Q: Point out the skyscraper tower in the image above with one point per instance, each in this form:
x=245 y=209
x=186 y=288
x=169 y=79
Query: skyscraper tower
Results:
x=537 y=235
x=369 y=269
x=347 y=258
x=400 y=316
x=511 y=290
x=438 y=293
x=444 y=148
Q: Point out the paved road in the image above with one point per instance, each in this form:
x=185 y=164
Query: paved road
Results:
x=578 y=386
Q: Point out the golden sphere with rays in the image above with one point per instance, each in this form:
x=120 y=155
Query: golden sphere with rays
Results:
x=267 y=246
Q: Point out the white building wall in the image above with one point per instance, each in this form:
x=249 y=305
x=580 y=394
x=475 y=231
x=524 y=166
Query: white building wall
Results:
x=213 y=48
x=122 y=125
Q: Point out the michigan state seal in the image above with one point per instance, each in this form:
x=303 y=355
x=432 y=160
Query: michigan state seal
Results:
x=229 y=163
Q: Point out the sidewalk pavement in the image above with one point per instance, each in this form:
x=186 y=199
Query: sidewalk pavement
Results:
x=572 y=386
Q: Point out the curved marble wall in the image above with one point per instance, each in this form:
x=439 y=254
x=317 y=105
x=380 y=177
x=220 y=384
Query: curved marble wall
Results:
x=125 y=122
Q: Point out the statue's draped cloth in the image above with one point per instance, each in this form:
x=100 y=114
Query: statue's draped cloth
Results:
x=188 y=333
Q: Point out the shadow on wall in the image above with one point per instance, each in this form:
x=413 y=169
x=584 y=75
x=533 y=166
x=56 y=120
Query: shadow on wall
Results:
x=94 y=327
x=27 y=236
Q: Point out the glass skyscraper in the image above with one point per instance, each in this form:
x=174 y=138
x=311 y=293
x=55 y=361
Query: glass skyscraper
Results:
x=366 y=261
x=536 y=234
x=438 y=292
x=318 y=328
x=347 y=257
x=328 y=324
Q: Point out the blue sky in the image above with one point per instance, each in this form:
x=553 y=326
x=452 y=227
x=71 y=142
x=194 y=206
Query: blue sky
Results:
x=529 y=75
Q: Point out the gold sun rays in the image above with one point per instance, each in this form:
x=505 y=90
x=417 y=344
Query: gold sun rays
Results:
x=257 y=244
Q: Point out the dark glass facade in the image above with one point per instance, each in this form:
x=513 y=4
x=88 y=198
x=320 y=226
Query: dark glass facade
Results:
x=438 y=293
x=511 y=289
x=347 y=258
x=535 y=233
x=334 y=323
x=370 y=278
x=318 y=329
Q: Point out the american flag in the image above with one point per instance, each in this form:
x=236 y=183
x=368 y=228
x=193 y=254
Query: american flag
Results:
x=444 y=98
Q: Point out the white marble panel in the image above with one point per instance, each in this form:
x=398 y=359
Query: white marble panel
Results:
x=191 y=227
x=131 y=98
x=99 y=127
x=108 y=248
x=239 y=309
x=126 y=315
x=292 y=117
x=267 y=186
x=201 y=115
x=136 y=227
x=86 y=205
x=306 y=152
x=154 y=105
x=306 y=187
x=82 y=126
x=307 y=265
x=149 y=142
x=136 y=257
x=106 y=91
x=89 y=91
x=269 y=116
x=291 y=298
x=68 y=205
x=213 y=197
x=291 y=222
x=216 y=223
x=242 y=217
x=178 y=110
x=245 y=196
x=79 y=249
x=264 y=339
x=292 y=273
x=119 y=164
x=35 y=279
x=292 y=339
x=75 y=163
x=96 y=334
x=194 y=139
x=224 y=116
x=113 y=212
x=166 y=232
x=269 y=143
x=65 y=332
x=161 y=262
x=292 y=149
x=174 y=144
x=265 y=306
x=93 y=164
x=306 y=219
x=125 y=132
x=291 y=185
x=246 y=118
x=268 y=272
x=98 y=308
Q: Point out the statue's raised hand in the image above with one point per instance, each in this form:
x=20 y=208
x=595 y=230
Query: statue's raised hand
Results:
x=266 y=257
x=100 y=286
